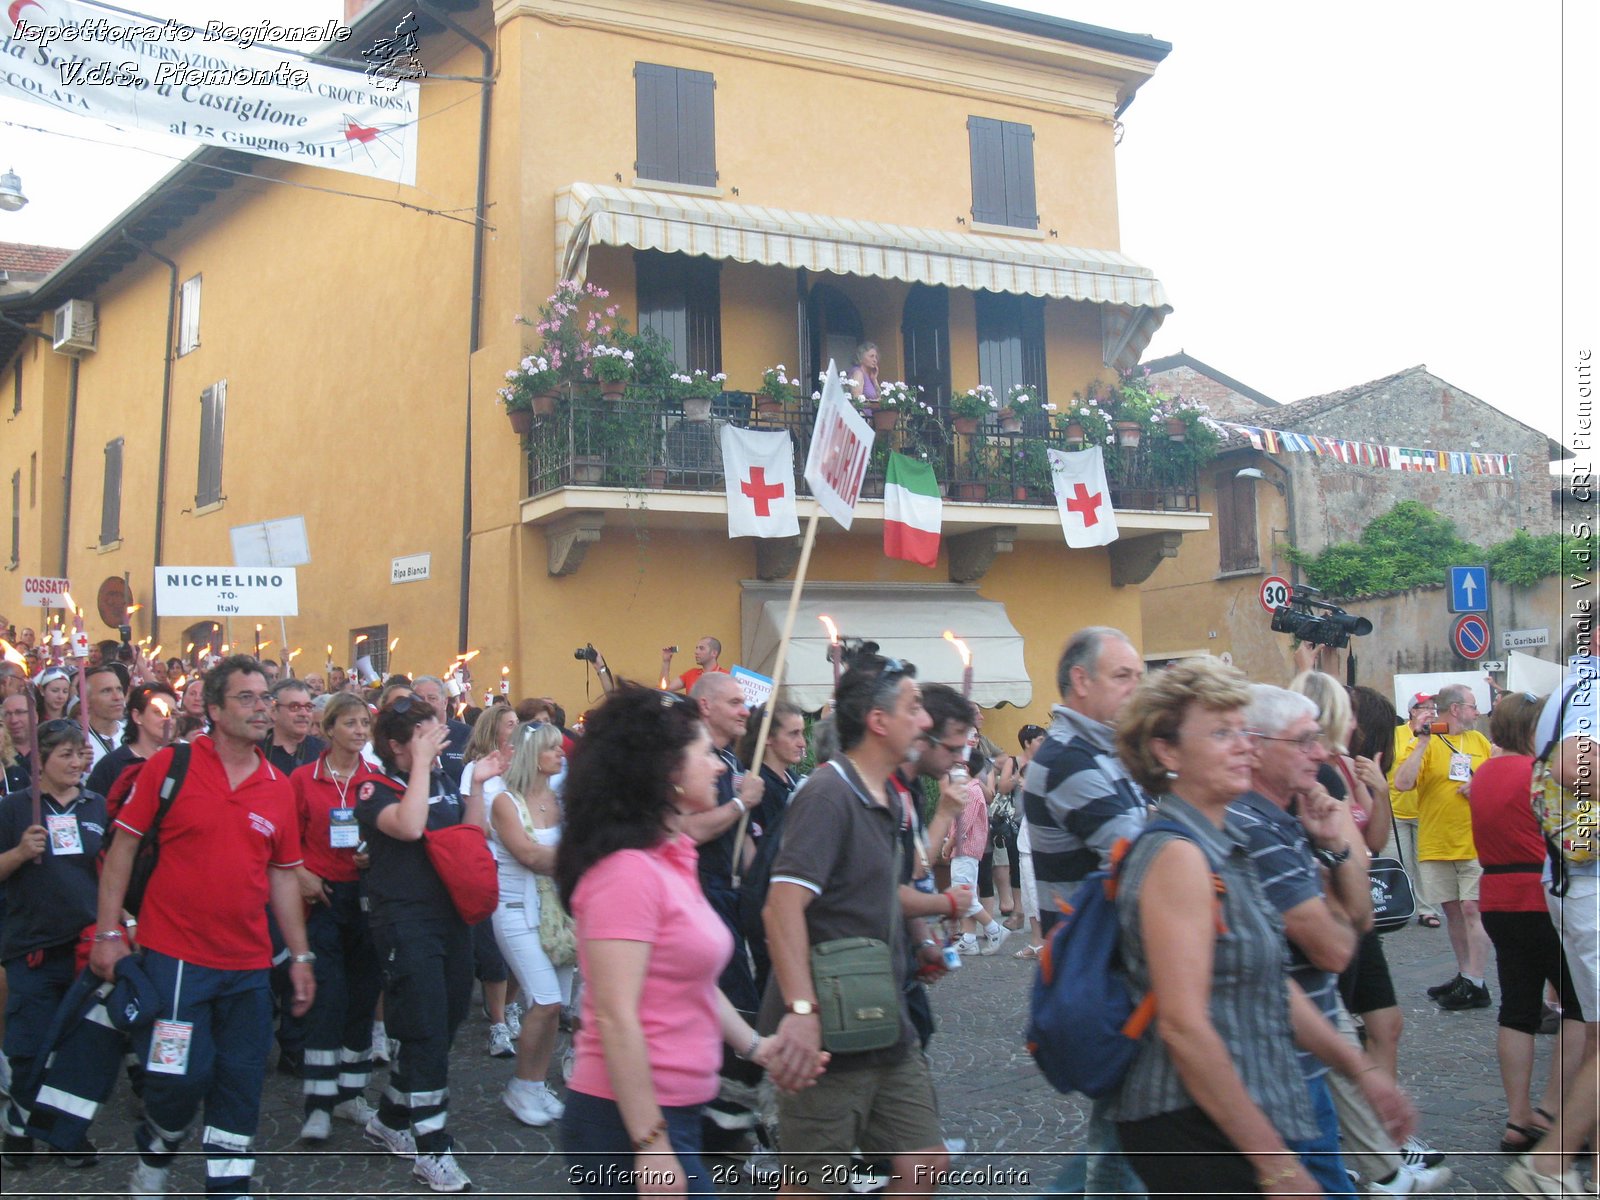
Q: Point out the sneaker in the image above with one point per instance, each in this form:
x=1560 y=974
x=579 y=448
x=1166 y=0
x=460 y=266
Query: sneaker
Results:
x=318 y=1125
x=1550 y=1018
x=356 y=1110
x=395 y=1141
x=1466 y=994
x=500 y=1042
x=147 y=1182
x=526 y=1106
x=1448 y=986
x=968 y=944
x=1412 y=1181
x=993 y=941
x=84 y=1154
x=1417 y=1153
x=380 y=1043
x=514 y=1019
x=552 y=1103
x=440 y=1172
x=1525 y=1181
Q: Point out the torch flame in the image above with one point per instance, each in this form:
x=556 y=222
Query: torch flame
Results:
x=189 y=649
x=360 y=639
x=11 y=655
x=294 y=654
x=160 y=705
x=833 y=630
x=133 y=608
x=961 y=648
x=468 y=657
x=393 y=642
x=505 y=670
x=71 y=606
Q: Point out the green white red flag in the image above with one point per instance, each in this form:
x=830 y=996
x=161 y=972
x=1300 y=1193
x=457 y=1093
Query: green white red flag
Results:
x=912 y=511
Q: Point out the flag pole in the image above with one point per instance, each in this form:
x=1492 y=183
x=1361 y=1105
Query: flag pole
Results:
x=777 y=677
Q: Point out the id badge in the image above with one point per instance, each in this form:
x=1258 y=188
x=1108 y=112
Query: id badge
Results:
x=169 y=1047
x=343 y=833
x=1460 y=767
x=65 y=836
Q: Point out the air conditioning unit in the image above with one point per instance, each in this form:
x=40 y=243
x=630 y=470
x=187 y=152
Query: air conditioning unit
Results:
x=75 y=328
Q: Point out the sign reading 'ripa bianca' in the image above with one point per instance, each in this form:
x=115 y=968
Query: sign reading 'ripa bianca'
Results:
x=227 y=592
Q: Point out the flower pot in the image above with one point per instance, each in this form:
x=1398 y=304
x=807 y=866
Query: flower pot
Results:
x=697 y=408
x=1009 y=421
x=1019 y=493
x=965 y=425
x=972 y=491
x=655 y=477
x=612 y=389
x=1177 y=431
x=1075 y=435
x=588 y=468
x=766 y=406
x=521 y=421
x=544 y=404
x=1128 y=434
x=885 y=419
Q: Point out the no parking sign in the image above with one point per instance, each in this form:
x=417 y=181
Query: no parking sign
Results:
x=1470 y=637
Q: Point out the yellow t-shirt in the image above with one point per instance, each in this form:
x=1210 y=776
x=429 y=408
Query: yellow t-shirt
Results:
x=1444 y=825
x=1403 y=803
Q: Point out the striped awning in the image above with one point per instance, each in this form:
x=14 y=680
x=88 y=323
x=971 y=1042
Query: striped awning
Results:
x=1133 y=302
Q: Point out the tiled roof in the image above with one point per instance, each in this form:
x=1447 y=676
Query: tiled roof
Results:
x=33 y=260
x=1314 y=406
x=1183 y=359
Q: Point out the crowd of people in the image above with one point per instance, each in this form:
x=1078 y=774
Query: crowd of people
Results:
x=196 y=866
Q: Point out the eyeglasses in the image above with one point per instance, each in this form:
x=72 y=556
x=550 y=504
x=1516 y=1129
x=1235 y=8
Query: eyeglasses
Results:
x=1223 y=737
x=299 y=706
x=251 y=699
x=958 y=748
x=1305 y=743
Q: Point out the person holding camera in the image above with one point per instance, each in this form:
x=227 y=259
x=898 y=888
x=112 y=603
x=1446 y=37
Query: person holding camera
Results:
x=1440 y=766
x=707 y=652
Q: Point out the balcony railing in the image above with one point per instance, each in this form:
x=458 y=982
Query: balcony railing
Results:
x=638 y=443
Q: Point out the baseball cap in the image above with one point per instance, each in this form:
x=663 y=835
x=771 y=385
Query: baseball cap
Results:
x=1420 y=700
x=134 y=1001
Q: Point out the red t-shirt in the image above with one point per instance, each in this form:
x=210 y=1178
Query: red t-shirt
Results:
x=207 y=899
x=692 y=676
x=1505 y=833
x=316 y=794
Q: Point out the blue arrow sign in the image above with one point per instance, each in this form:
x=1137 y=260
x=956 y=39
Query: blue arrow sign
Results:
x=1469 y=589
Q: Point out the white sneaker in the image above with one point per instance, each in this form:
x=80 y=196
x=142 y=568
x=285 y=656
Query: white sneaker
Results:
x=993 y=941
x=526 y=1105
x=1427 y=1179
x=147 y=1183
x=552 y=1103
x=441 y=1172
x=1525 y=1181
x=380 y=1043
x=356 y=1110
x=514 y=1013
x=317 y=1127
x=395 y=1141
x=968 y=944
x=500 y=1042
x=1417 y=1153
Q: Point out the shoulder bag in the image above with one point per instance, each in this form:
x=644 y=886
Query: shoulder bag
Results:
x=558 y=934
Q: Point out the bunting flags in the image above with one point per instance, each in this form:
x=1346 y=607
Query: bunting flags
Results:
x=1366 y=454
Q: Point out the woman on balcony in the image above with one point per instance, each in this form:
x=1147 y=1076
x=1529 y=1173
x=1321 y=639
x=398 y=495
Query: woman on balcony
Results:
x=862 y=379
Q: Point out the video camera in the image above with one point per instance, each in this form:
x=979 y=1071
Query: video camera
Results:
x=1298 y=618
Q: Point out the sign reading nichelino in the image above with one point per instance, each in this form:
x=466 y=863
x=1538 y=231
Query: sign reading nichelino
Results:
x=213 y=84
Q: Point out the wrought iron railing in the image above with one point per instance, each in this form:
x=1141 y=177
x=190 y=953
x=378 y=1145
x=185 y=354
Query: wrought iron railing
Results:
x=638 y=443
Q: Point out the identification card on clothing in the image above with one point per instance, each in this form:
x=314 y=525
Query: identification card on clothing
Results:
x=1460 y=767
x=343 y=834
x=169 y=1047
x=65 y=836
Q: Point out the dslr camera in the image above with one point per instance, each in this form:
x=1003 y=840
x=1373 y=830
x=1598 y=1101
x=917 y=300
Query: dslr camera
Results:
x=585 y=653
x=1332 y=626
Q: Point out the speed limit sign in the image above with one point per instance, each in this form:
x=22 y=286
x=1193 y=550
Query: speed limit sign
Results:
x=1274 y=592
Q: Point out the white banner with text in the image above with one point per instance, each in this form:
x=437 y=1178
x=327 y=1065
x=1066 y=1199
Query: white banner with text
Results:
x=227 y=592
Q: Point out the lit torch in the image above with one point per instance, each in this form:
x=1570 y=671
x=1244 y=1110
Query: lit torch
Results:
x=835 y=649
x=12 y=655
x=966 y=663
x=505 y=680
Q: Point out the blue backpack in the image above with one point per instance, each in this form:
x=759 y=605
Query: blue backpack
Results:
x=1083 y=1023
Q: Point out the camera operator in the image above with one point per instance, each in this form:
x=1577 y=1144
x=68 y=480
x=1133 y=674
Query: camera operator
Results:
x=706 y=653
x=594 y=658
x=1440 y=767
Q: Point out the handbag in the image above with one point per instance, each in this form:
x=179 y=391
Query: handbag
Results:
x=1394 y=901
x=464 y=864
x=558 y=933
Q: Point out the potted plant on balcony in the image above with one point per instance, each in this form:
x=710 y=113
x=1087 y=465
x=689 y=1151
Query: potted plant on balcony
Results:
x=1186 y=440
x=1132 y=406
x=529 y=391
x=612 y=367
x=894 y=399
x=1021 y=399
x=1085 y=423
x=1028 y=461
x=972 y=408
x=697 y=392
x=776 y=390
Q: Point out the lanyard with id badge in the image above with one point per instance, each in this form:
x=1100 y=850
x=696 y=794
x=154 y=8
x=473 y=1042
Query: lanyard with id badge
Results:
x=1460 y=763
x=66 y=837
x=171 y=1041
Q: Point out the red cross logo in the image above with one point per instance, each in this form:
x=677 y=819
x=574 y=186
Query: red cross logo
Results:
x=356 y=132
x=759 y=490
x=1086 y=504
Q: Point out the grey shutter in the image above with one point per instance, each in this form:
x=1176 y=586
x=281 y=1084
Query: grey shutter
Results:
x=111 y=494
x=16 y=517
x=984 y=140
x=697 y=129
x=213 y=418
x=655 y=98
x=1017 y=152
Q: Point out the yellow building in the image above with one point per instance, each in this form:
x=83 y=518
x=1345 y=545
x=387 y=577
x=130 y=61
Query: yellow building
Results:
x=764 y=183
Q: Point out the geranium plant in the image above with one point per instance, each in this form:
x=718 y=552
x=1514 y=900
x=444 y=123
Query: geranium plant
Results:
x=533 y=377
x=1024 y=398
x=697 y=385
x=898 y=395
x=611 y=364
x=777 y=386
x=975 y=404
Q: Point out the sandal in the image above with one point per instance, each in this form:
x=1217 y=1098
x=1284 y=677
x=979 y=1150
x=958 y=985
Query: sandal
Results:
x=1027 y=952
x=1428 y=919
x=1530 y=1136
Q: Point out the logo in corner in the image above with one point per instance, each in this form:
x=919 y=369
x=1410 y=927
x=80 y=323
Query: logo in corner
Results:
x=18 y=7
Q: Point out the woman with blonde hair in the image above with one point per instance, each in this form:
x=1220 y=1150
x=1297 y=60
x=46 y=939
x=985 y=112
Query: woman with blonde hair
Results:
x=492 y=732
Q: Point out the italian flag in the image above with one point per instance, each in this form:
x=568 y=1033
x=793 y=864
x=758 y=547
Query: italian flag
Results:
x=911 y=511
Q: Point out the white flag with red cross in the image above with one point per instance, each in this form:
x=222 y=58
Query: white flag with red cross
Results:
x=758 y=470
x=1083 y=497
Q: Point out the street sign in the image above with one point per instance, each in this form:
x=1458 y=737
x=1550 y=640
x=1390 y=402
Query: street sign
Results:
x=1522 y=639
x=45 y=591
x=409 y=568
x=1470 y=637
x=1469 y=589
x=227 y=591
x=1274 y=592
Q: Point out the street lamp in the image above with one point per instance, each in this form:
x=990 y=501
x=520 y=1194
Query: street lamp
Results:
x=1286 y=490
x=11 y=197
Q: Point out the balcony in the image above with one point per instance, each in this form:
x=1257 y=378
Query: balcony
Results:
x=592 y=455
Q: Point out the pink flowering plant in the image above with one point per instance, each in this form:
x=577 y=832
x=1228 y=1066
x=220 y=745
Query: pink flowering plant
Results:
x=572 y=323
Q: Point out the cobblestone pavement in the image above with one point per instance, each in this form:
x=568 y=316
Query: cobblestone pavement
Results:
x=989 y=1090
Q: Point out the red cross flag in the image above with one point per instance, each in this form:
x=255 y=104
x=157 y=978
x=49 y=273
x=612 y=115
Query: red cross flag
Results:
x=758 y=468
x=1083 y=497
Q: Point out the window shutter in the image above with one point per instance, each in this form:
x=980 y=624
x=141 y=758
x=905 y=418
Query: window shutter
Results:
x=984 y=140
x=111 y=494
x=655 y=92
x=1017 y=153
x=697 y=129
x=1236 y=523
x=16 y=387
x=189 y=316
x=213 y=418
x=16 y=517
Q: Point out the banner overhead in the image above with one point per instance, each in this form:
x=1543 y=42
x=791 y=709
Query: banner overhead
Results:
x=215 y=83
x=227 y=592
x=841 y=445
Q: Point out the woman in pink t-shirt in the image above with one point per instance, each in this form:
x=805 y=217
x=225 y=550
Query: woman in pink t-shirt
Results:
x=650 y=949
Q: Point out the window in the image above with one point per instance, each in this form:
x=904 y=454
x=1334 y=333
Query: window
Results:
x=189 y=315
x=111 y=496
x=1236 y=523
x=833 y=330
x=1011 y=344
x=675 y=122
x=372 y=643
x=16 y=386
x=680 y=297
x=213 y=416
x=33 y=479
x=16 y=519
x=1002 y=172
x=201 y=639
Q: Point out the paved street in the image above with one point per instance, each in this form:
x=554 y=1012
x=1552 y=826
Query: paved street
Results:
x=991 y=1093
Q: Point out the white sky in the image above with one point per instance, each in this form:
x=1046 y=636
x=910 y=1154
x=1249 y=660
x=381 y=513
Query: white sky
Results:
x=1329 y=194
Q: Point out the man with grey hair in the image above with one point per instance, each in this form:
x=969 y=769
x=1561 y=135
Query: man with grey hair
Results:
x=291 y=744
x=1079 y=801
x=431 y=690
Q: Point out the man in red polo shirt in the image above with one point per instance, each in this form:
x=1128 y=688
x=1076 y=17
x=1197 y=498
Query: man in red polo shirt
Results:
x=706 y=653
x=229 y=846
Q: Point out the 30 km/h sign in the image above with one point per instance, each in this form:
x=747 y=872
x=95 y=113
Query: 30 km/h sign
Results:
x=1470 y=636
x=1274 y=592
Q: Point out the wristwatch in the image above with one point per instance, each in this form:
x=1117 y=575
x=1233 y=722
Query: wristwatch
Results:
x=801 y=1008
x=308 y=957
x=1333 y=858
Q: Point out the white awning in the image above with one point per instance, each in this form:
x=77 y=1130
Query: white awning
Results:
x=1134 y=302
x=906 y=620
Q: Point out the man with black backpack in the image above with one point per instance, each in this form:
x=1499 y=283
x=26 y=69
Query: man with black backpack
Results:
x=228 y=839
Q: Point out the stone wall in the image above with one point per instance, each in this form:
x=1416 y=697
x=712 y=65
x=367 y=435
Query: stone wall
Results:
x=1225 y=403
